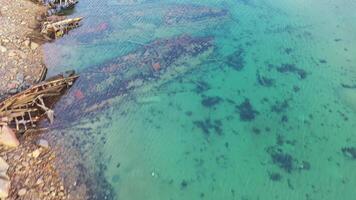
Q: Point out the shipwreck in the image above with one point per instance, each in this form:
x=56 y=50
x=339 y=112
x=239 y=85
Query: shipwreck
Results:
x=25 y=109
x=58 y=29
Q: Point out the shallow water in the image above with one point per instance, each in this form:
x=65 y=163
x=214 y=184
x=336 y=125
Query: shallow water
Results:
x=267 y=111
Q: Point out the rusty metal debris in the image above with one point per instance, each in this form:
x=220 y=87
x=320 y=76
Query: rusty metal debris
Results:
x=23 y=110
x=58 y=29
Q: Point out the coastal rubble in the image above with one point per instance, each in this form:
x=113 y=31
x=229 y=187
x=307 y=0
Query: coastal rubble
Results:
x=4 y=179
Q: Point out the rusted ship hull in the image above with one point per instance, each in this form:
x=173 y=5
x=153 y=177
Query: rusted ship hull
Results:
x=117 y=77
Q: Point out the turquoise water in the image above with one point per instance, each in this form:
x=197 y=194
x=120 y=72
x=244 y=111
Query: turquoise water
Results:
x=235 y=99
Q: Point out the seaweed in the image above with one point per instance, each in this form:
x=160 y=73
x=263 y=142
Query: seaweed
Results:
x=211 y=101
x=264 y=81
x=322 y=61
x=280 y=107
x=236 y=60
x=284 y=119
x=349 y=152
x=208 y=126
x=288 y=50
x=292 y=68
x=283 y=160
x=296 y=89
x=246 y=111
x=348 y=86
x=274 y=176
x=202 y=86
x=183 y=184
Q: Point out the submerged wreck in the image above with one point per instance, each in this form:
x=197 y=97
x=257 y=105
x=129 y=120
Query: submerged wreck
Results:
x=192 y=13
x=24 y=110
x=162 y=59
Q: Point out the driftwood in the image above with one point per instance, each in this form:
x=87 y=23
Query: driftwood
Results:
x=58 y=29
x=23 y=110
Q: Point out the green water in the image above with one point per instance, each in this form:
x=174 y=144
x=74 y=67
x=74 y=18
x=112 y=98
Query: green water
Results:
x=159 y=141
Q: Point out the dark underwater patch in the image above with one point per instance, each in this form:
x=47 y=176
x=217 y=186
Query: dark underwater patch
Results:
x=246 y=111
x=279 y=107
x=201 y=86
x=211 y=101
x=264 y=81
x=349 y=152
x=236 y=60
x=192 y=13
x=208 y=126
x=283 y=160
x=274 y=176
x=348 y=86
x=292 y=68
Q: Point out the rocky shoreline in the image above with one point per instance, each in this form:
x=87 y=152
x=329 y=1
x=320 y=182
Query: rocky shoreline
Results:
x=28 y=171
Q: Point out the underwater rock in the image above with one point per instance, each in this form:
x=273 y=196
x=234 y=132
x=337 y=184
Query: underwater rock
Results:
x=98 y=84
x=283 y=160
x=192 y=13
x=247 y=112
x=291 y=68
x=275 y=176
x=201 y=86
x=211 y=101
x=280 y=107
x=236 y=60
x=208 y=126
x=348 y=86
x=264 y=81
x=349 y=152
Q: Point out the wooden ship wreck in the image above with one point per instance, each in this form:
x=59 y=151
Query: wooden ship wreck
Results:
x=23 y=110
x=58 y=29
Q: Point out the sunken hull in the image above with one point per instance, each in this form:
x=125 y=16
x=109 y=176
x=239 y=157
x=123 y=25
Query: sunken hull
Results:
x=97 y=85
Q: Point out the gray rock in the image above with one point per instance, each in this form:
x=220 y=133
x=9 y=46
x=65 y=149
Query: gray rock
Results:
x=20 y=77
x=43 y=143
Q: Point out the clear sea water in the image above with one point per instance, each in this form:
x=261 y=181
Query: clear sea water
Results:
x=268 y=112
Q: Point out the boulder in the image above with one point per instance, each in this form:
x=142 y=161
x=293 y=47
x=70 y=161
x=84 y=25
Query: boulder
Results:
x=4 y=188
x=8 y=137
x=43 y=143
x=4 y=179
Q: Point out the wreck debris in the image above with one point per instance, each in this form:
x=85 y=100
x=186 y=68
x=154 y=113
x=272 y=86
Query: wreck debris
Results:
x=58 y=29
x=23 y=110
x=58 y=6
